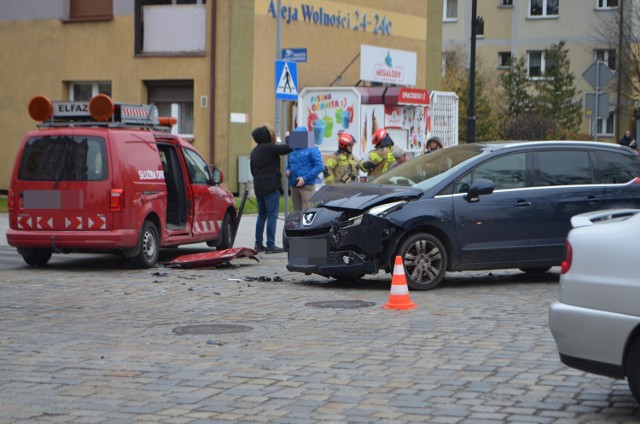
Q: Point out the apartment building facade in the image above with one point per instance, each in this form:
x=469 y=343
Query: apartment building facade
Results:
x=525 y=28
x=209 y=63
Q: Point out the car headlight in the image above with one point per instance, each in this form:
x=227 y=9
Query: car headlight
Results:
x=351 y=222
x=380 y=211
x=386 y=209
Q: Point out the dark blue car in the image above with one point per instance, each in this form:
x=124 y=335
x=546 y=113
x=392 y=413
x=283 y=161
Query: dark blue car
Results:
x=469 y=207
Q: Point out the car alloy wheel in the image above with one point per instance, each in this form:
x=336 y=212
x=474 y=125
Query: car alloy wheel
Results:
x=425 y=261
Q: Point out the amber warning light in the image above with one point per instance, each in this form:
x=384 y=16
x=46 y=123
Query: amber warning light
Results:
x=167 y=121
x=40 y=108
x=101 y=107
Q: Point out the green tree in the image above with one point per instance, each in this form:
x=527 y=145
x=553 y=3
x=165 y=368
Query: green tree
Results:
x=517 y=88
x=557 y=94
x=619 y=32
x=529 y=126
x=487 y=126
x=456 y=79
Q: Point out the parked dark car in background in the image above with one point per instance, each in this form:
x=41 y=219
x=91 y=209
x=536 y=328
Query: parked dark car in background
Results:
x=469 y=207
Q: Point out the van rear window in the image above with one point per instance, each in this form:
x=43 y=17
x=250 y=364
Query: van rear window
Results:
x=64 y=158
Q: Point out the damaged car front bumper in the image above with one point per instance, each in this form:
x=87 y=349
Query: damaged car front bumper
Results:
x=333 y=243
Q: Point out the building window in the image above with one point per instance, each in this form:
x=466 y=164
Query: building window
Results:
x=543 y=8
x=90 y=10
x=504 y=60
x=607 y=4
x=506 y=3
x=480 y=27
x=608 y=56
x=450 y=10
x=170 y=27
x=535 y=61
x=538 y=64
x=83 y=91
x=174 y=98
x=604 y=127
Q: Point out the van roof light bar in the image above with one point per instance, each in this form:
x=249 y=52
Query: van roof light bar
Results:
x=99 y=111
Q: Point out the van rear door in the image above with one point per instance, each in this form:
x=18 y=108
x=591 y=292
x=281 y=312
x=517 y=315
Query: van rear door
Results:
x=63 y=183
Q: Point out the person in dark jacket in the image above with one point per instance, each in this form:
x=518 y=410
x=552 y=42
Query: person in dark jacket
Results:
x=628 y=140
x=265 y=168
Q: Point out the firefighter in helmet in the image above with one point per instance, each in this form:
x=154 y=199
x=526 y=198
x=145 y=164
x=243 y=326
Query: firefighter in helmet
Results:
x=381 y=158
x=341 y=167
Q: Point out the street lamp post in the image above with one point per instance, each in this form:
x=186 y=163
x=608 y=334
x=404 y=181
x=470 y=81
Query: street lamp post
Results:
x=471 y=114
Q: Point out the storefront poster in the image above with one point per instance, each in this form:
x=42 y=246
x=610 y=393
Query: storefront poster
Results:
x=328 y=112
x=407 y=124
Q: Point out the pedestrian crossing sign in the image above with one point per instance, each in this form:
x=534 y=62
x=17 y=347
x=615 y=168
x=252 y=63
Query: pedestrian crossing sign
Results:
x=286 y=80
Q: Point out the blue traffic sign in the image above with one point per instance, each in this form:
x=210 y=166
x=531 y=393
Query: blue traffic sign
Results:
x=286 y=80
x=294 y=55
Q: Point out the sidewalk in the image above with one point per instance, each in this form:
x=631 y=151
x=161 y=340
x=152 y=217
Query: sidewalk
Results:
x=244 y=238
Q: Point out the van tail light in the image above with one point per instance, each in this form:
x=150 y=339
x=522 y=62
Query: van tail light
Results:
x=11 y=201
x=117 y=200
x=568 y=258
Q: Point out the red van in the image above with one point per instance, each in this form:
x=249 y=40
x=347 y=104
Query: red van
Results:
x=100 y=176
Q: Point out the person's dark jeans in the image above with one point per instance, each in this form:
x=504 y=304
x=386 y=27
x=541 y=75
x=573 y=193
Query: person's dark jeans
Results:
x=268 y=208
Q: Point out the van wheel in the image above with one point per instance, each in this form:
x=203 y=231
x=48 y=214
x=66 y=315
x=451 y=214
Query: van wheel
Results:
x=149 y=246
x=632 y=369
x=425 y=261
x=35 y=257
x=226 y=232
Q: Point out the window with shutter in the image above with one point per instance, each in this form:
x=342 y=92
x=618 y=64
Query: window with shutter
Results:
x=90 y=10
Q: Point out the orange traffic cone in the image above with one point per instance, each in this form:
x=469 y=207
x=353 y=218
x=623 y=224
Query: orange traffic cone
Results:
x=399 y=297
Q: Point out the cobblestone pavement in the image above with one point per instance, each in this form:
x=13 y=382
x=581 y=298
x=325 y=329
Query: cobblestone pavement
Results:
x=88 y=340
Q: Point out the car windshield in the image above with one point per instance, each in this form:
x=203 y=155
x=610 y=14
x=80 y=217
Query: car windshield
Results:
x=427 y=170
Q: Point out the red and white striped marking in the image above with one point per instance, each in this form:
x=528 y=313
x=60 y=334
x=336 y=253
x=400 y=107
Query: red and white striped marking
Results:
x=206 y=226
x=129 y=111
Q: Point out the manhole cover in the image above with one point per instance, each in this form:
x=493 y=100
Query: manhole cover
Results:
x=341 y=304
x=211 y=329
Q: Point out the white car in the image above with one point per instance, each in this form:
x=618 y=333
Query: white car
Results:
x=596 y=322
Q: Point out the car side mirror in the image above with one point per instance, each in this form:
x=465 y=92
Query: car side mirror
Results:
x=217 y=174
x=479 y=187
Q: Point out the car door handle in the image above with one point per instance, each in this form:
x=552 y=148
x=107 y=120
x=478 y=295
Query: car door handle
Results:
x=522 y=204
x=592 y=199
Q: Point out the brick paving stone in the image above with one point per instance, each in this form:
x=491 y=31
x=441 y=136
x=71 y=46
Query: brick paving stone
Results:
x=528 y=419
x=92 y=341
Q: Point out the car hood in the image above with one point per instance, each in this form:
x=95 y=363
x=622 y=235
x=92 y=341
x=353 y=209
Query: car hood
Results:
x=360 y=196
